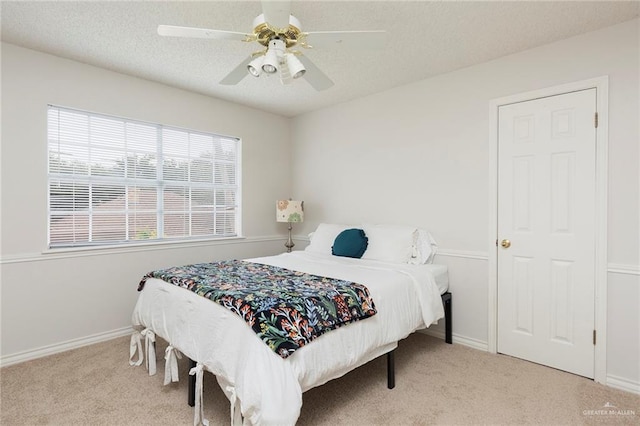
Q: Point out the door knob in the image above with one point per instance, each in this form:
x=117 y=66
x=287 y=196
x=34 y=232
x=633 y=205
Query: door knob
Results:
x=505 y=243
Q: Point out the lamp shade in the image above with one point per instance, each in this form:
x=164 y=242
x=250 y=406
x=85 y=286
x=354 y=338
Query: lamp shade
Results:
x=289 y=211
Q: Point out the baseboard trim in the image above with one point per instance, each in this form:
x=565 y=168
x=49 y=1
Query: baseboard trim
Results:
x=623 y=384
x=5 y=361
x=433 y=333
x=472 y=343
x=615 y=382
x=63 y=347
x=458 y=340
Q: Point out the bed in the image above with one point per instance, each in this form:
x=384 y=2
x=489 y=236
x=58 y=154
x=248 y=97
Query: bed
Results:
x=262 y=387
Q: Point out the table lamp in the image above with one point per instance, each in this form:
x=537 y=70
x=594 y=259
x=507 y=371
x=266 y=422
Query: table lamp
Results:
x=289 y=211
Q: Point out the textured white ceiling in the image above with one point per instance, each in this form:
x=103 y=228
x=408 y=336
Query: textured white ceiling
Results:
x=425 y=38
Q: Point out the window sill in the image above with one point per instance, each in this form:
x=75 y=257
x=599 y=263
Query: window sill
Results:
x=143 y=246
x=74 y=252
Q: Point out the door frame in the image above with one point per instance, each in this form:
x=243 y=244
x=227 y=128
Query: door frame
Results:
x=601 y=84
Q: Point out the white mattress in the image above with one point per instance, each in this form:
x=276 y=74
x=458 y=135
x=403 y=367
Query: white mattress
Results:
x=264 y=387
x=441 y=275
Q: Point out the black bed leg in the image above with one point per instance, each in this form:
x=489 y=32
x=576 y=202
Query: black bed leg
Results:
x=448 y=326
x=391 y=374
x=192 y=385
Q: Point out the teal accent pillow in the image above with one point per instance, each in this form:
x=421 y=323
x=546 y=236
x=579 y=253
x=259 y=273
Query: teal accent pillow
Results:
x=350 y=243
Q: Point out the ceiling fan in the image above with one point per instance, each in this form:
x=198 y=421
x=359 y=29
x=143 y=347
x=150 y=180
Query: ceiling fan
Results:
x=280 y=33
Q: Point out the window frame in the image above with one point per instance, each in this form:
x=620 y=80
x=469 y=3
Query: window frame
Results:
x=159 y=184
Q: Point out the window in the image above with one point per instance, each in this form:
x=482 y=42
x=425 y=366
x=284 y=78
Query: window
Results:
x=116 y=181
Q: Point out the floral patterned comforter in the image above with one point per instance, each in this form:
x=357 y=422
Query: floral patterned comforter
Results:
x=287 y=309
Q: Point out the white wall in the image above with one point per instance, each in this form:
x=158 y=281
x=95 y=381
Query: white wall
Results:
x=51 y=300
x=419 y=154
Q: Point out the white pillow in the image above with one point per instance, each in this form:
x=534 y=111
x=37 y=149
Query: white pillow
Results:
x=323 y=237
x=390 y=243
x=424 y=249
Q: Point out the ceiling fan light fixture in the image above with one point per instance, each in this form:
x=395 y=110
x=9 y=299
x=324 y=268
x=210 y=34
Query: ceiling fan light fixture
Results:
x=271 y=61
x=269 y=68
x=278 y=31
x=255 y=66
x=296 y=68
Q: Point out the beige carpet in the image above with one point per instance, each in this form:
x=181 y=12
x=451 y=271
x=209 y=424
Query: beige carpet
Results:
x=436 y=383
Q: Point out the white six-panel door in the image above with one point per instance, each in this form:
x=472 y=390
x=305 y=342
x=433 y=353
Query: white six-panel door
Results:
x=546 y=230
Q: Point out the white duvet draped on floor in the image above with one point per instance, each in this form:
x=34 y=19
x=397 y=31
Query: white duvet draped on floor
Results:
x=265 y=388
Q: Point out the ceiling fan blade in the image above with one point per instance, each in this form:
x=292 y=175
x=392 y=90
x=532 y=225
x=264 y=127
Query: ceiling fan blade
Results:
x=238 y=73
x=172 y=31
x=355 y=39
x=316 y=78
x=276 y=12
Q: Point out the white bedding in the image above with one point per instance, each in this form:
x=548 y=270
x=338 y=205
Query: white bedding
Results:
x=264 y=387
x=441 y=275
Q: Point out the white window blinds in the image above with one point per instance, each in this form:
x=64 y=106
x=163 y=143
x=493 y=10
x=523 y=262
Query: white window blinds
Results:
x=114 y=180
